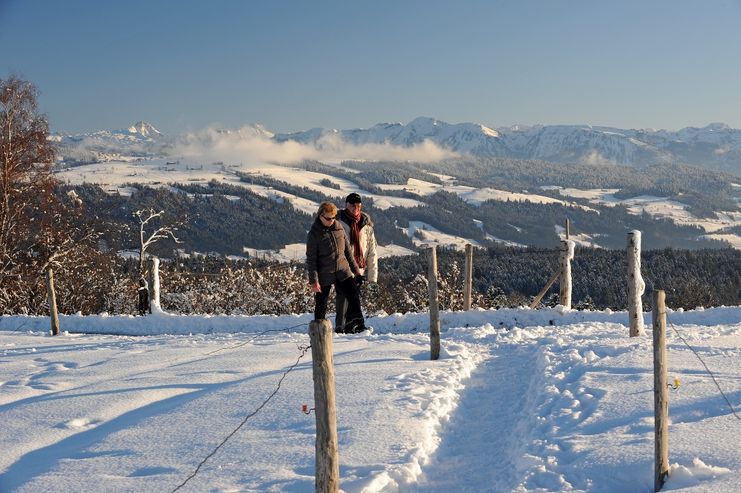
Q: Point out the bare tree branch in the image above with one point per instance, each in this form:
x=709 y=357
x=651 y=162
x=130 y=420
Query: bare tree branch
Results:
x=148 y=239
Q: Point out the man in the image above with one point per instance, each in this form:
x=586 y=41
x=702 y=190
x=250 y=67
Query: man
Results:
x=359 y=229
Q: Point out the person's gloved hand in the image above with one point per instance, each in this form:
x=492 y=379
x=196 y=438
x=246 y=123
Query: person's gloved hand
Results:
x=359 y=280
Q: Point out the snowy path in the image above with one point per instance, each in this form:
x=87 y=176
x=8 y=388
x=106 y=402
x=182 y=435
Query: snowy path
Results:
x=142 y=413
x=481 y=443
x=514 y=404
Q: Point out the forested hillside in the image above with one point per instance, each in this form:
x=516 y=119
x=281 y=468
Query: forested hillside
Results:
x=209 y=218
x=224 y=219
x=703 y=190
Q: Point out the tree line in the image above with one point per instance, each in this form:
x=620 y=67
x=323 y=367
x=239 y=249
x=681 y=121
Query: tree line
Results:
x=502 y=277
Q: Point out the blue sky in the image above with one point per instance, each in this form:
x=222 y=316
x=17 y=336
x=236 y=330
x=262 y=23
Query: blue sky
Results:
x=184 y=64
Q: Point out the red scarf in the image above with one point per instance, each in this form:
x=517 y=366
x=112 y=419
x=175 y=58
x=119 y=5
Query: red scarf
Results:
x=355 y=238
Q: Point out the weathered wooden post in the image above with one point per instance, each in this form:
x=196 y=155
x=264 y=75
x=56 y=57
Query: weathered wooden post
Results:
x=52 y=298
x=468 y=284
x=154 y=299
x=567 y=255
x=636 y=286
x=327 y=477
x=434 y=308
x=661 y=393
x=545 y=289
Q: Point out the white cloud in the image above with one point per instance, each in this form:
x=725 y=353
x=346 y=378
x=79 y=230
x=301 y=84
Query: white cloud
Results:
x=254 y=145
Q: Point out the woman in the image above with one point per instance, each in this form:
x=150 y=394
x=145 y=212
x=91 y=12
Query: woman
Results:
x=329 y=261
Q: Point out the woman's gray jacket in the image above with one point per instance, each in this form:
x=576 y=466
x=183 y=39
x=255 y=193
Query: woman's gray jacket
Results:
x=328 y=254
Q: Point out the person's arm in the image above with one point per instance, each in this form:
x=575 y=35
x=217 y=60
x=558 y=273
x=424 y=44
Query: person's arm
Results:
x=371 y=257
x=311 y=262
x=350 y=258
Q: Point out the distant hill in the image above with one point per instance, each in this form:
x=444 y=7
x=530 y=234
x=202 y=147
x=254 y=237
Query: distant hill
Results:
x=715 y=146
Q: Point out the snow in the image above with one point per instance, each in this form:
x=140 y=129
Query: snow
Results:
x=733 y=239
x=480 y=224
x=475 y=196
x=662 y=207
x=311 y=180
x=290 y=253
x=144 y=129
x=423 y=233
x=392 y=250
x=115 y=176
x=521 y=400
x=478 y=196
x=424 y=139
x=582 y=239
x=636 y=284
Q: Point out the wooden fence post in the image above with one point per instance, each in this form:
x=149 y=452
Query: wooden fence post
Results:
x=661 y=393
x=52 y=298
x=636 y=286
x=327 y=479
x=567 y=255
x=545 y=289
x=154 y=299
x=434 y=308
x=468 y=284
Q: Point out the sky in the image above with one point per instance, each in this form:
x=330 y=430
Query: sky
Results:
x=184 y=65
x=520 y=400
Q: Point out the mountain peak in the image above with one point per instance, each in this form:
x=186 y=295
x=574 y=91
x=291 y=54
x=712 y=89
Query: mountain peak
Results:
x=717 y=126
x=424 y=120
x=425 y=124
x=489 y=132
x=144 y=129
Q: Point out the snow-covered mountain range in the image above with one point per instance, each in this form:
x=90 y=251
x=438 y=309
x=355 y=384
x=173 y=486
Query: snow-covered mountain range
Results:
x=140 y=139
x=716 y=146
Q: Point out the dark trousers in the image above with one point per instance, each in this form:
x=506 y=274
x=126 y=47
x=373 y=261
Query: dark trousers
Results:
x=341 y=304
x=349 y=290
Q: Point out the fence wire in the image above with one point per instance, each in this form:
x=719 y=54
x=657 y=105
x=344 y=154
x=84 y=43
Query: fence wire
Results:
x=303 y=350
x=715 y=381
x=254 y=337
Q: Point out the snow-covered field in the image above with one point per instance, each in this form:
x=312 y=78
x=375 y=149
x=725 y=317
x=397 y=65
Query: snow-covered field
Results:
x=475 y=196
x=662 y=207
x=521 y=400
x=113 y=176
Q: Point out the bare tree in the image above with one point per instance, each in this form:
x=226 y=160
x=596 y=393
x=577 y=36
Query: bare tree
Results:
x=26 y=187
x=146 y=239
x=40 y=230
x=26 y=184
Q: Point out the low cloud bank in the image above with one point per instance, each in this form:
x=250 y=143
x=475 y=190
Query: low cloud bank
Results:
x=253 y=144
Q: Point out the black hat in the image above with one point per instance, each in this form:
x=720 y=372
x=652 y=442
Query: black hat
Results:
x=353 y=198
